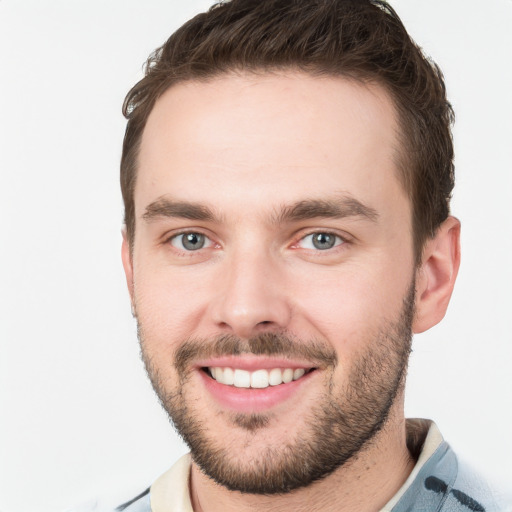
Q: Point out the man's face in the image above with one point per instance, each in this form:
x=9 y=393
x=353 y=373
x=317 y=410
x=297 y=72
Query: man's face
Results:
x=273 y=239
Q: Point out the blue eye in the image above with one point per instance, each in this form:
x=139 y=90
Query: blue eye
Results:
x=190 y=241
x=320 y=241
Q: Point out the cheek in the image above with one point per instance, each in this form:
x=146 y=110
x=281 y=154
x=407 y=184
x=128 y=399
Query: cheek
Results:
x=168 y=305
x=348 y=306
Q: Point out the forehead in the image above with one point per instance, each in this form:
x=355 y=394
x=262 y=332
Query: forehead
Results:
x=276 y=137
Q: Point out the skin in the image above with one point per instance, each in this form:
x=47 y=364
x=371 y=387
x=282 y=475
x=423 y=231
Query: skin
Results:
x=245 y=147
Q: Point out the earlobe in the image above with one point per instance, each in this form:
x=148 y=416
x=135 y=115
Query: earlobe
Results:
x=126 y=257
x=435 y=278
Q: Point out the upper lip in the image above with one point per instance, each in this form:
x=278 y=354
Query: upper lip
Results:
x=254 y=362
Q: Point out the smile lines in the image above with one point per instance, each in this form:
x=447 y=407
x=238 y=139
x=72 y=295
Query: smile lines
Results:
x=257 y=379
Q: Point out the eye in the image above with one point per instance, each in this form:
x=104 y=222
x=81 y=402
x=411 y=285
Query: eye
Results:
x=190 y=241
x=320 y=241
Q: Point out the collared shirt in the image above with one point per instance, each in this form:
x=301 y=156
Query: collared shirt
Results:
x=438 y=482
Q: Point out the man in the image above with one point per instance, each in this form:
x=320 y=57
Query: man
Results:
x=286 y=174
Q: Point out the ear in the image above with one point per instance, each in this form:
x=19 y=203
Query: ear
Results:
x=126 y=256
x=436 y=276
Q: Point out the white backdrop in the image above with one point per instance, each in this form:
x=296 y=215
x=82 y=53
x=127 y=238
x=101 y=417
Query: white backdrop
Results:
x=77 y=415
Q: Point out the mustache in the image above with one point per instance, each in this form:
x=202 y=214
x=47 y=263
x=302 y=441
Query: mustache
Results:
x=270 y=344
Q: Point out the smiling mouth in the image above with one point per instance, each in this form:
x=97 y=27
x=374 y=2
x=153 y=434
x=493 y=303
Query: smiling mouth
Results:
x=258 y=379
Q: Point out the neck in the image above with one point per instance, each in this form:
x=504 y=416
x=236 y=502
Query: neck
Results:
x=366 y=482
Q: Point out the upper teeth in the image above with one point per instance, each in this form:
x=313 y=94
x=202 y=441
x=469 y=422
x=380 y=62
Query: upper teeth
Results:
x=257 y=379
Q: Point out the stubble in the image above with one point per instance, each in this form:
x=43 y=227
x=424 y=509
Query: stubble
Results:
x=337 y=427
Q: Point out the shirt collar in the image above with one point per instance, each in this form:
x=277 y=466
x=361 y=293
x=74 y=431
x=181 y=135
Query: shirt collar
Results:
x=418 y=432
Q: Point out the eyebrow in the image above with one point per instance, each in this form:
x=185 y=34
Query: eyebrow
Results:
x=334 y=208
x=164 y=207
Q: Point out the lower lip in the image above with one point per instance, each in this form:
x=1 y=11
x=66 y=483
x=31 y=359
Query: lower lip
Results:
x=252 y=400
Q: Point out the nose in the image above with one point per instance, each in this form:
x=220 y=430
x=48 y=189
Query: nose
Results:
x=251 y=297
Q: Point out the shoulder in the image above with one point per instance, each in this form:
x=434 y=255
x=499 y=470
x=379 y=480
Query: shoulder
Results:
x=140 y=503
x=457 y=487
x=444 y=483
x=476 y=493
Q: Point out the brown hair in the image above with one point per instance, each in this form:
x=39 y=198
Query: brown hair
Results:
x=358 y=39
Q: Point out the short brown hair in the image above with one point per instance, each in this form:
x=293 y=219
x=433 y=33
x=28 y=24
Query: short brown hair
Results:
x=358 y=39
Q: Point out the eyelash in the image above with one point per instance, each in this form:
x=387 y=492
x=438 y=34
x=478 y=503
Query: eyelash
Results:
x=339 y=242
x=176 y=236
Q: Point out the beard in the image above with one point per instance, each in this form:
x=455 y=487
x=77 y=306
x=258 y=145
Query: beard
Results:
x=338 y=426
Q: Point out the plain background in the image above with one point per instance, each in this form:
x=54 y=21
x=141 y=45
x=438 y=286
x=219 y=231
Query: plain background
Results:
x=77 y=416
